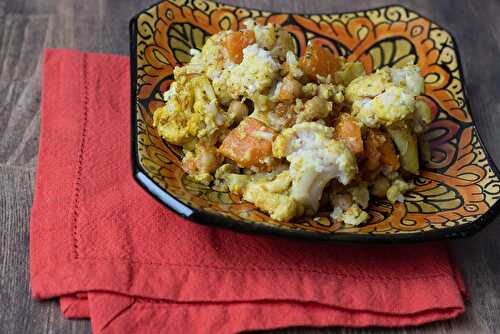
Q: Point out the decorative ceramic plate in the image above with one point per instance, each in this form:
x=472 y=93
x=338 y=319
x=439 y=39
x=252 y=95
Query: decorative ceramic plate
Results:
x=458 y=190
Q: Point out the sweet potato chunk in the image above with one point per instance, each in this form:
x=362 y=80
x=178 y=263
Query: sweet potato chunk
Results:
x=318 y=61
x=373 y=143
x=380 y=150
x=236 y=42
x=389 y=156
x=249 y=144
x=349 y=132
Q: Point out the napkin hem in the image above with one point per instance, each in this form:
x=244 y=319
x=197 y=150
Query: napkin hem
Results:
x=180 y=285
x=53 y=205
x=74 y=306
x=323 y=316
x=81 y=153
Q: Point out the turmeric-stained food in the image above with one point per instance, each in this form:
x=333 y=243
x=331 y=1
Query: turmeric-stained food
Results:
x=290 y=134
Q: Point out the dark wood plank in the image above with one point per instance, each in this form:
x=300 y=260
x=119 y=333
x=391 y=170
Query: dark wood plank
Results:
x=19 y=313
x=19 y=86
x=28 y=26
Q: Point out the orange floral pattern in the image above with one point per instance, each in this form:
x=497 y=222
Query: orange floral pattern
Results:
x=456 y=187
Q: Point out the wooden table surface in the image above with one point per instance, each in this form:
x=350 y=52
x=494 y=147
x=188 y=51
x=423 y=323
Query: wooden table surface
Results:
x=29 y=26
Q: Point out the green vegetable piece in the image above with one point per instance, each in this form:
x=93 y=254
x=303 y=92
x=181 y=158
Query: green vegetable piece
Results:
x=406 y=142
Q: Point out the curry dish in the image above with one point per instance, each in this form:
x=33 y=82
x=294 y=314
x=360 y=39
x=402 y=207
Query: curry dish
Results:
x=295 y=134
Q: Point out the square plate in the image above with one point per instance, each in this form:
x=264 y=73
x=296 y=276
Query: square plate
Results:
x=457 y=192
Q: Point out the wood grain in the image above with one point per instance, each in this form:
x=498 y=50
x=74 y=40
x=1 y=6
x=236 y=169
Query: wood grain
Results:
x=29 y=26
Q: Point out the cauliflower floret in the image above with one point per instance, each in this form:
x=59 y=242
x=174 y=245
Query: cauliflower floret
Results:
x=347 y=203
x=408 y=77
x=329 y=91
x=293 y=65
x=256 y=74
x=386 y=96
x=282 y=115
x=273 y=197
x=191 y=111
x=326 y=91
x=292 y=139
x=315 y=159
x=353 y=216
x=391 y=106
x=315 y=108
x=272 y=38
x=211 y=60
x=177 y=131
x=280 y=184
x=397 y=189
x=220 y=83
x=368 y=86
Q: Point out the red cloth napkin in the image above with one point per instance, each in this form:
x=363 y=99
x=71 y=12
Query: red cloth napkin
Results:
x=112 y=253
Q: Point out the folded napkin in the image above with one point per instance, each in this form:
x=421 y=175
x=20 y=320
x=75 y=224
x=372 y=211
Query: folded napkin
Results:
x=112 y=253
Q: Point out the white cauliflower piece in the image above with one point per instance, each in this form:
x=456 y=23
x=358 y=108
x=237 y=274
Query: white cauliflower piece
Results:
x=391 y=106
x=330 y=91
x=368 y=86
x=315 y=159
x=347 y=204
x=270 y=192
x=353 y=216
x=211 y=60
x=191 y=111
x=255 y=75
x=274 y=197
x=314 y=109
x=272 y=38
x=397 y=189
x=386 y=96
x=408 y=77
x=293 y=65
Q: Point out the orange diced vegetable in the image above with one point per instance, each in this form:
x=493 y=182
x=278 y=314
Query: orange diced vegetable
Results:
x=349 y=132
x=380 y=150
x=389 y=156
x=318 y=61
x=236 y=42
x=373 y=143
x=249 y=144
